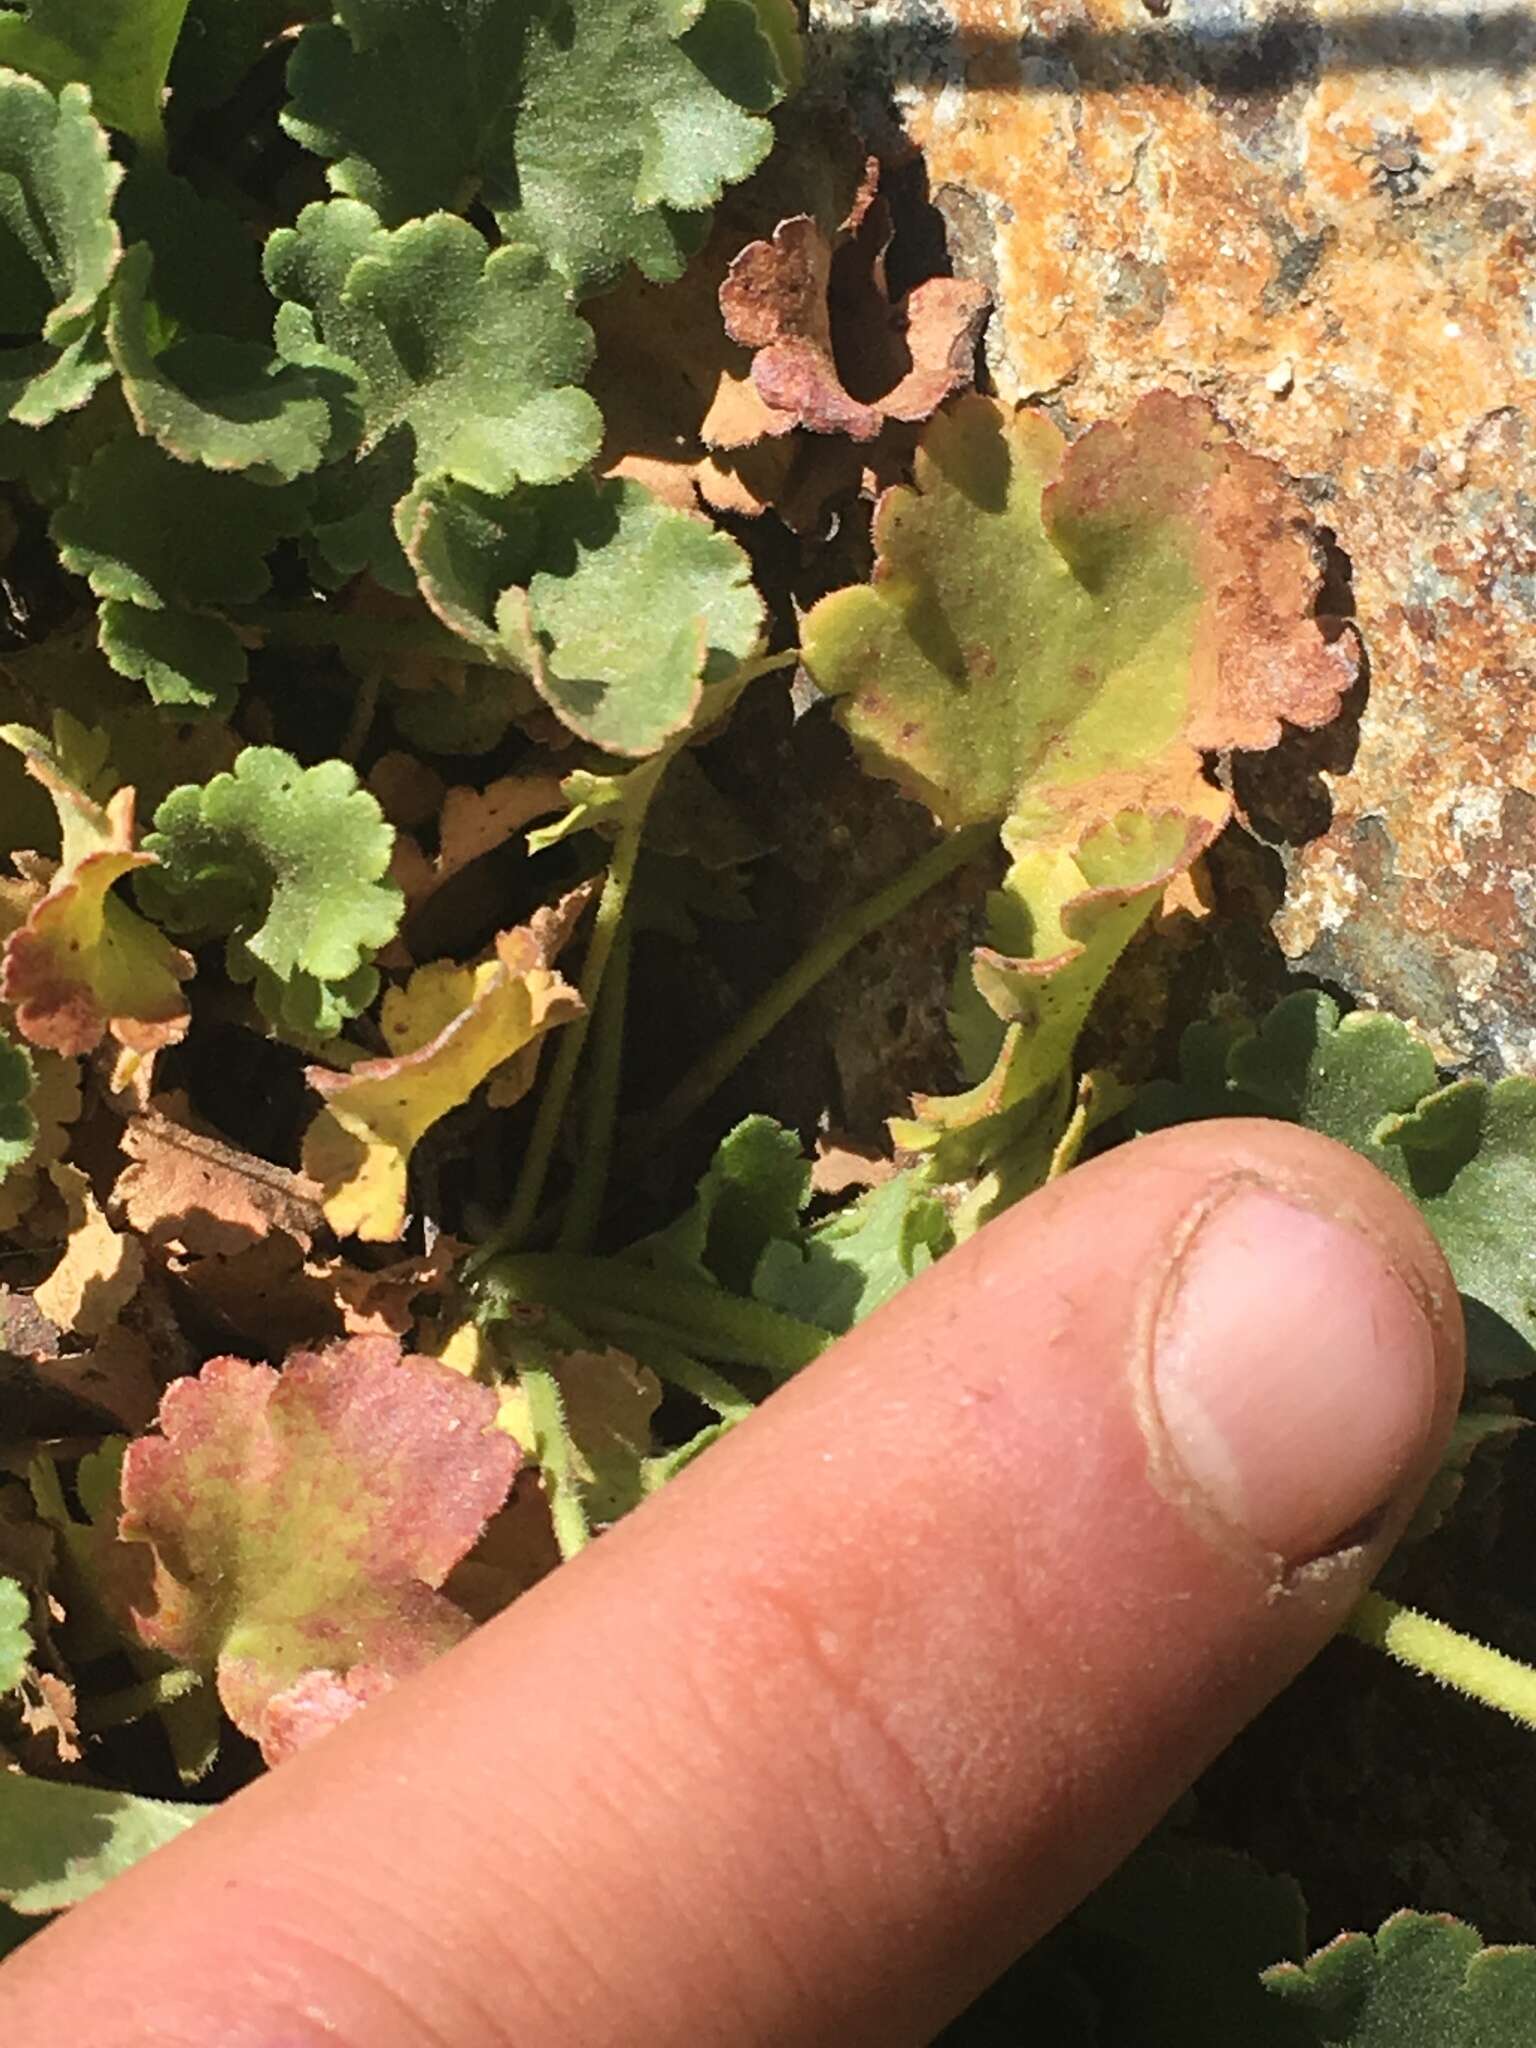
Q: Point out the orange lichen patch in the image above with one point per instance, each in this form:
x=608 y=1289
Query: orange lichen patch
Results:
x=1338 y=254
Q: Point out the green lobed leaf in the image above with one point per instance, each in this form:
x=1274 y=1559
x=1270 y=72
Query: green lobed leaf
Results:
x=59 y=247
x=301 y=1522
x=286 y=863
x=1466 y=1154
x=474 y=352
x=621 y=609
x=751 y=1194
x=220 y=42
x=1052 y=638
x=207 y=267
x=18 y=1126
x=846 y=1267
x=744 y=1231
x=150 y=531
x=590 y=129
x=190 y=659
x=229 y=404
x=59 y=1843
x=120 y=49
x=1422 y=1981
x=15 y=1639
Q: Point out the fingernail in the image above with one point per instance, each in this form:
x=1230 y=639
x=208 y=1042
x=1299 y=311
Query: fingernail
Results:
x=1294 y=1372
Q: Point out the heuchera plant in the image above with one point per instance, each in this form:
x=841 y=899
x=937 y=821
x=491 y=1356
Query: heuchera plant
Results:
x=407 y=405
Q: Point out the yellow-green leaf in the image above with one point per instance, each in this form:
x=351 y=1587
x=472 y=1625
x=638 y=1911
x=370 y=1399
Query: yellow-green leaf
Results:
x=448 y=1030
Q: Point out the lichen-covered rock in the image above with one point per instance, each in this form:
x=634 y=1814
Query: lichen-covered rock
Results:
x=1328 y=228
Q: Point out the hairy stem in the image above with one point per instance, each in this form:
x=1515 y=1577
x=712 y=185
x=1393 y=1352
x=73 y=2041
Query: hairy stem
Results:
x=696 y=1378
x=552 y=1441
x=556 y=1093
x=584 y=1205
x=1450 y=1658
x=813 y=966
x=132 y=1702
x=689 y=1315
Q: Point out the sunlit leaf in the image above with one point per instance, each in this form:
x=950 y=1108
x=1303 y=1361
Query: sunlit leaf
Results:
x=60 y=1842
x=587 y=130
x=120 y=49
x=288 y=865
x=58 y=245
x=1423 y=1980
x=473 y=353
x=1053 y=638
x=449 y=1030
x=301 y=1521
x=231 y=405
x=84 y=964
x=620 y=608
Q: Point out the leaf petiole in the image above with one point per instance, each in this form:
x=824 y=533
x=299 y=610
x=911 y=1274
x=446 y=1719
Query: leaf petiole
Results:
x=813 y=966
x=584 y=1205
x=599 y=1294
x=609 y=917
x=1444 y=1654
x=552 y=1441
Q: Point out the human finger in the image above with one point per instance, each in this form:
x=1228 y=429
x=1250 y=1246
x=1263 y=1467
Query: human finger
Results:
x=806 y=1749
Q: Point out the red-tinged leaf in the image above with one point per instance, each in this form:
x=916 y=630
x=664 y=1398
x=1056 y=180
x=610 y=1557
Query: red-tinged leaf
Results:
x=815 y=309
x=301 y=1522
x=83 y=964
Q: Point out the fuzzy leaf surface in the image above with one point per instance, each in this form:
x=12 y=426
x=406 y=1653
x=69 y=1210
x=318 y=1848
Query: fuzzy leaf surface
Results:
x=619 y=608
x=192 y=660
x=120 y=49
x=151 y=531
x=15 y=1641
x=587 y=130
x=846 y=1267
x=744 y=1231
x=301 y=1522
x=1422 y=1981
x=474 y=352
x=62 y=1842
x=449 y=1030
x=1055 y=634
x=1466 y=1153
x=607 y=1402
x=83 y=964
x=229 y=404
x=287 y=864
x=59 y=247
x=1052 y=638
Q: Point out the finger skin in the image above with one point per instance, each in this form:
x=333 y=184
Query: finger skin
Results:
x=810 y=1746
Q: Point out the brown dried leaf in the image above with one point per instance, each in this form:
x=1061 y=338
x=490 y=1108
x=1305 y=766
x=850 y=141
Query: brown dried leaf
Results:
x=472 y=823
x=195 y=1191
x=101 y=1269
x=832 y=353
